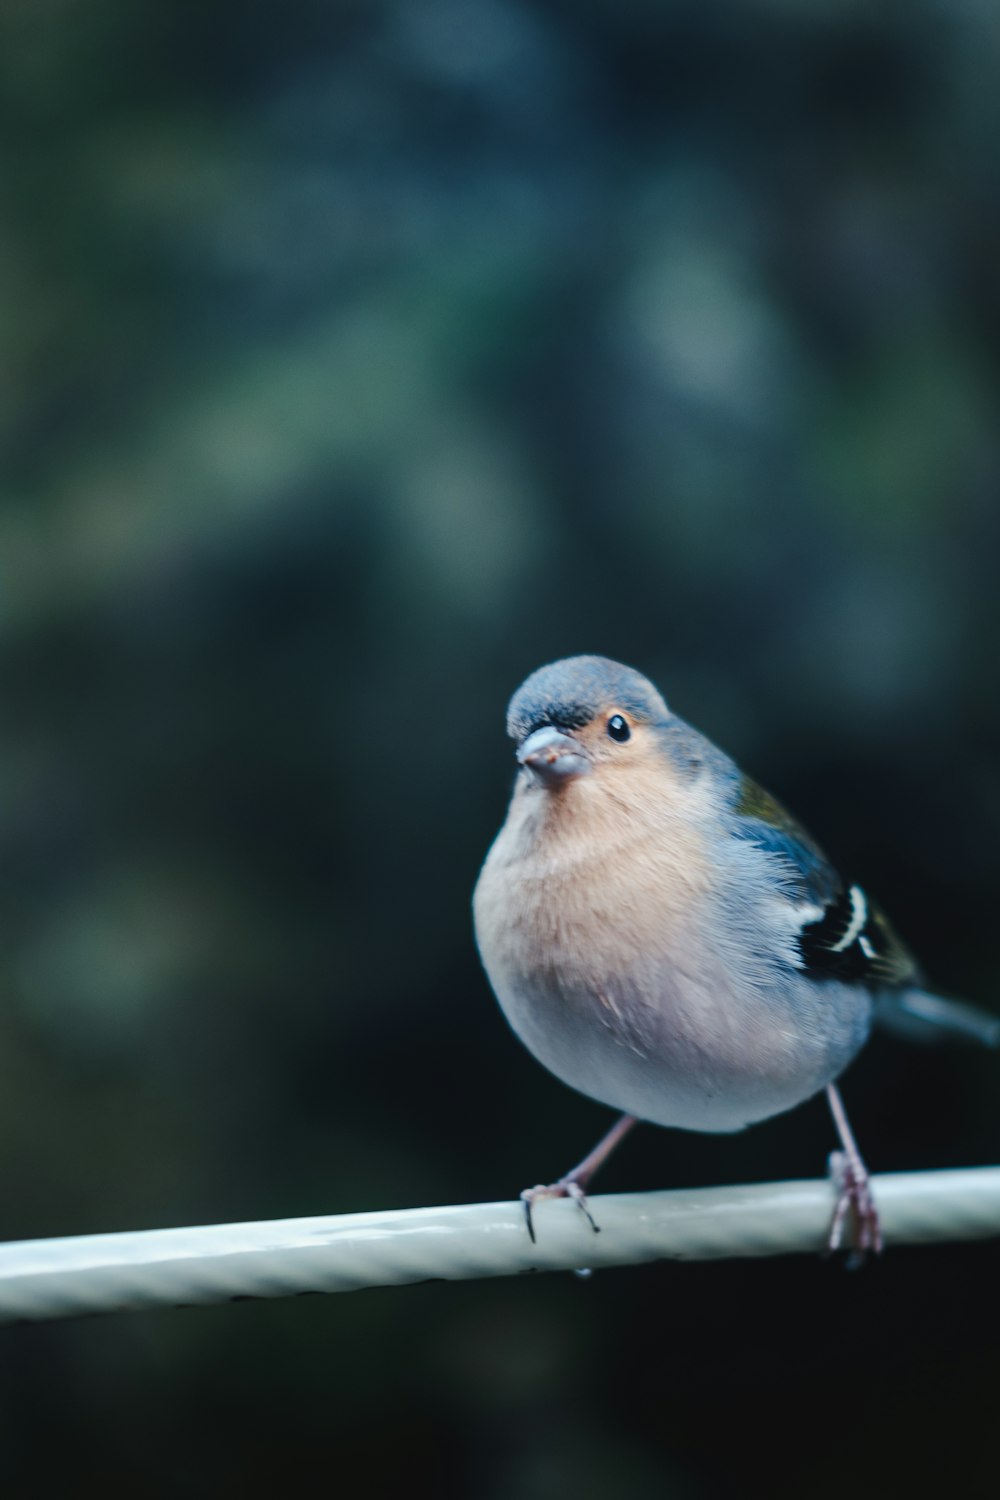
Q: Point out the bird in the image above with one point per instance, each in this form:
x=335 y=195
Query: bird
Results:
x=665 y=938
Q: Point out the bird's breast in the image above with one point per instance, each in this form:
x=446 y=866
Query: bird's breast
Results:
x=602 y=956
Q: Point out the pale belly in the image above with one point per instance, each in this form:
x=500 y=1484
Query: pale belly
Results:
x=645 y=1010
x=691 y=1059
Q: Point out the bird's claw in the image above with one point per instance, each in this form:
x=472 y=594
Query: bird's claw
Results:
x=854 y=1197
x=566 y=1187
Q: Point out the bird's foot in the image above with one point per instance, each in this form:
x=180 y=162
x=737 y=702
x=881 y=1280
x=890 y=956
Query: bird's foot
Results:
x=566 y=1187
x=574 y=1184
x=849 y=1176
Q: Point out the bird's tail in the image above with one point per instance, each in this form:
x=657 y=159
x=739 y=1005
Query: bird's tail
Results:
x=922 y=1017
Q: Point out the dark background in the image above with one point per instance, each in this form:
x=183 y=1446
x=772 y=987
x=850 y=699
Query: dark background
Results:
x=357 y=358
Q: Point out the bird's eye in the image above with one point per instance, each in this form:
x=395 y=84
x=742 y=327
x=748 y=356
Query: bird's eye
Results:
x=618 y=728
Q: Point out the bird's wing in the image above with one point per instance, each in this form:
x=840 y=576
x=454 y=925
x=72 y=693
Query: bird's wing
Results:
x=844 y=935
x=850 y=939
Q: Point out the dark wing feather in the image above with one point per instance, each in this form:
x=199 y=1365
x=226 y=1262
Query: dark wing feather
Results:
x=851 y=940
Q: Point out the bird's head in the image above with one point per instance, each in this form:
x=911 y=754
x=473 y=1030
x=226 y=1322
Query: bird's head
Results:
x=583 y=715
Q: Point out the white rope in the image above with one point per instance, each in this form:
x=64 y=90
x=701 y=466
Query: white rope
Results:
x=284 y=1257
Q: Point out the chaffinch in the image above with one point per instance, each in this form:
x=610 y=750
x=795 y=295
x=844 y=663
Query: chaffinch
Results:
x=664 y=937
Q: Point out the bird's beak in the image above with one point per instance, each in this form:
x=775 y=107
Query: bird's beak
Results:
x=552 y=757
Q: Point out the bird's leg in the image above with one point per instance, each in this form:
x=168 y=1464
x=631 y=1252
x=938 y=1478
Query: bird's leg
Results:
x=574 y=1184
x=854 y=1195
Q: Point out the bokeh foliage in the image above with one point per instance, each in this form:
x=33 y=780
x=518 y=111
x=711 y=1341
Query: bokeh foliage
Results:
x=356 y=358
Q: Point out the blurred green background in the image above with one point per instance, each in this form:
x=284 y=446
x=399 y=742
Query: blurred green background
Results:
x=356 y=359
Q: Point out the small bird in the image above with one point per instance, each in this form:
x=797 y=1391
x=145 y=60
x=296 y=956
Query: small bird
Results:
x=664 y=937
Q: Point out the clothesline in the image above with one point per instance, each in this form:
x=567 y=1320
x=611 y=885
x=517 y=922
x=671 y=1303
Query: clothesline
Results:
x=57 y=1278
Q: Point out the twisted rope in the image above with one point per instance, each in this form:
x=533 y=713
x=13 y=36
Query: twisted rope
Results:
x=285 y=1257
